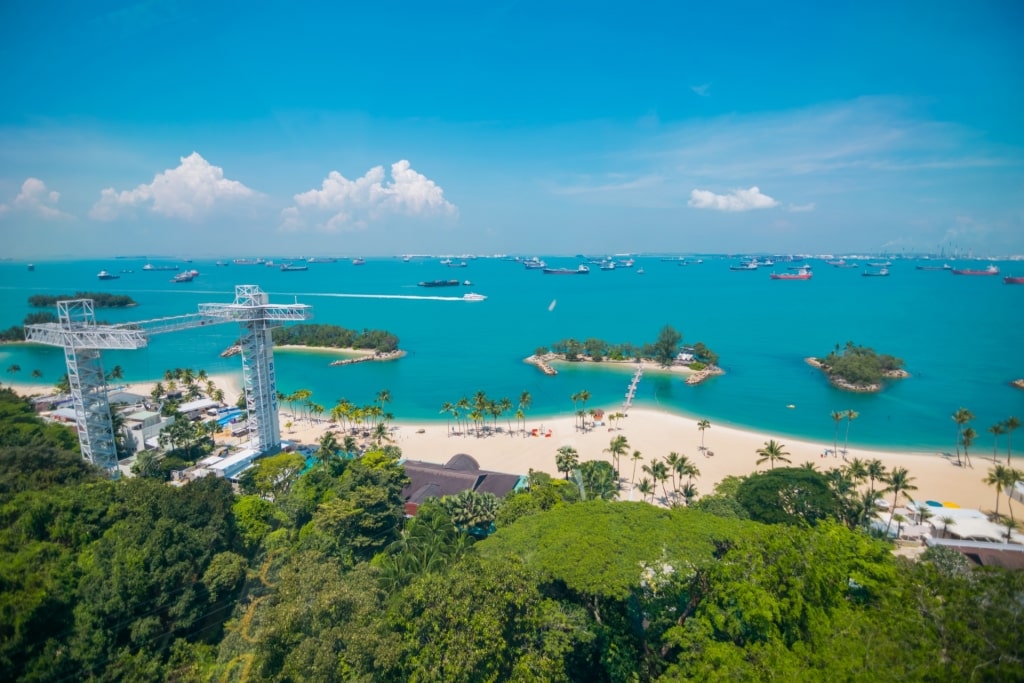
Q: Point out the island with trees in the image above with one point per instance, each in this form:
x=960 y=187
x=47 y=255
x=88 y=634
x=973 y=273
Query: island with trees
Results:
x=367 y=344
x=100 y=299
x=666 y=352
x=859 y=368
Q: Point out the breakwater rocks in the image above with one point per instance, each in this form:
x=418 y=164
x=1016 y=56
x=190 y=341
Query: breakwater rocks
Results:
x=542 y=363
x=701 y=375
x=376 y=356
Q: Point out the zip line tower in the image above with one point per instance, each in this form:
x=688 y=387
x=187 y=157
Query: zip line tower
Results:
x=82 y=339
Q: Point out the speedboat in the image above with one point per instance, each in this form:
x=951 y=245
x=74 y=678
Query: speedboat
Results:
x=104 y=275
x=473 y=296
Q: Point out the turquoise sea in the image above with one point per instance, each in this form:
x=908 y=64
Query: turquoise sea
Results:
x=961 y=337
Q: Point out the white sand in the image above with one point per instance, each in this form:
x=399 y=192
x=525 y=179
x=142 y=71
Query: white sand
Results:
x=655 y=434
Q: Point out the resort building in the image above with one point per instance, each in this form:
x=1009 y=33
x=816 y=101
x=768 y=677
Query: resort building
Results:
x=461 y=473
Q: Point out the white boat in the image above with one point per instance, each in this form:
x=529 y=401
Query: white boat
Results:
x=472 y=296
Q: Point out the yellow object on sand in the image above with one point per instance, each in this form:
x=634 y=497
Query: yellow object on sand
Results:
x=948 y=504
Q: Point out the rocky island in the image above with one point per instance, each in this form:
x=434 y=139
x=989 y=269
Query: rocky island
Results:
x=859 y=368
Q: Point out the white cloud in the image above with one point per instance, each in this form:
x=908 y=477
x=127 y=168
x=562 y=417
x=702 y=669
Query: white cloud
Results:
x=343 y=204
x=801 y=208
x=702 y=89
x=35 y=199
x=737 y=200
x=194 y=187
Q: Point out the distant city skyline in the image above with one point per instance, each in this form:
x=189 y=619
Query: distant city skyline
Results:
x=209 y=129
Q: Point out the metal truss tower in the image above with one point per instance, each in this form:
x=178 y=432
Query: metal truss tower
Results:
x=82 y=339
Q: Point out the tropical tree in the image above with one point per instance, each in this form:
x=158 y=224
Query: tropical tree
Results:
x=1011 y=425
x=837 y=417
x=995 y=430
x=37 y=373
x=772 y=451
x=851 y=415
x=1012 y=477
x=998 y=478
x=702 y=425
x=961 y=417
x=659 y=474
x=876 y=472
x=328 y=448
x=506 y=407
x=646 y=488
x=947 y=521
x=900 y=482
x=566 y=460
x=636 y=457
x=618 y=447
x=472 y=512
x=857 y=470
x=13 y=369
x=446 y=409
x=117 y=373
x=383 y=398
x=967 y=438
x=525 y=400
x=596 y=480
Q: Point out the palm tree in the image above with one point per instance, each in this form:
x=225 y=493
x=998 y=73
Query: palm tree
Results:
x=837 y=417
x=506 y=407
x=771 y=452
x=876 y=472
x=446 y=408
x=857 y=470
x=672 y=462
x=13 y=369
x=998 y=477
x=37 y=373
x=702 y=425
x=961 y=417
x=636 y=457
x=383 y=397
x=851 y=415
x=899 y=482
x=1011 y=425
x=659 y=473
x=463 y=405
x=1012 y=477
x=618 y=447
x=946 y=522
x=117 y=373
x=967 y=438
x=575 y=398
x=381 y=433
x=566 y=460
x=328 y=448
x=524 y=403
x=645 y=487
x=995 y=430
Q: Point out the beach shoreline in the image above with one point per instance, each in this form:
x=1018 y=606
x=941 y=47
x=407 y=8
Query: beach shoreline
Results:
x=728 y=450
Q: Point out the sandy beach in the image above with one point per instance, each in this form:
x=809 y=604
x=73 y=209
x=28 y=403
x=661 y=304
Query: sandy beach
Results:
x=729 y=451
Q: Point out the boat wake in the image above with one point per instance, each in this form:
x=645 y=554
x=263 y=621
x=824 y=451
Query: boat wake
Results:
x=411 y=297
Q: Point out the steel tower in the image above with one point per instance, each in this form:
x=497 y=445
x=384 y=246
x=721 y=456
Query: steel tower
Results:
x=82 y=339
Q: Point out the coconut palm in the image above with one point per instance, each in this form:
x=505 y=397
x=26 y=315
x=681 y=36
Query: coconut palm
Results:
x=566 y=460
x=772 y=451
x=857 y=470
x=672 y=462
x=383 y=397
x=446 y=408
x=464 y=407
x=961 y=417
x=837 y=417
x=618 y=447
x=646 y=488
x=37 y=373
x=636 y=457
x=995 y=430
x=506 y=407
x=689 y=493
x=998 y=477
x=381 y=433
x=947 y=521
x=1012 y=477
x=659 y=473
x=876 y=472
x=851 y=415
x=967 y=439
x=702 y=425
x=525 y=400
x=899 y=481
x=1010 y=425
x=328 y=448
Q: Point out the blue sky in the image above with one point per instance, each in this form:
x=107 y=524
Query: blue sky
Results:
x=272 y=128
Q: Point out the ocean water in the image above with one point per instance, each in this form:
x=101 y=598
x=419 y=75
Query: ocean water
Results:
x=961 y=337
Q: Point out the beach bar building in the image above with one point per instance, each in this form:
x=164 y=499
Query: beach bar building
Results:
x=461 y=473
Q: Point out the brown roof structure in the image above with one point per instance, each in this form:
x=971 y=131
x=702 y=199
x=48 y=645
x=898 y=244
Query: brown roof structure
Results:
x=461 y=473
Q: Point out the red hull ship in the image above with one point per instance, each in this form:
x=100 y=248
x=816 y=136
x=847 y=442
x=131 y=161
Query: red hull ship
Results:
x=991 y=270
x=1010 y=280
x=800 y=275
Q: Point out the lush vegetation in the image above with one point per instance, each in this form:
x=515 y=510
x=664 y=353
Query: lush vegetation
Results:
x=100 y=299
x=859 y=366
x=16 y=333
x=316 y=575
x=663 y=350
x=333 y=336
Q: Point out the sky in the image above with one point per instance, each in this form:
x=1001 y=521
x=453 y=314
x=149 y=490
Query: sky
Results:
x=281 y=129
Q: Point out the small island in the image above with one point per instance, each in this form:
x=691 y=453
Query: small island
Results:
x=99 y=299
x=365 y=345
x=859 y=368
x=698 y=361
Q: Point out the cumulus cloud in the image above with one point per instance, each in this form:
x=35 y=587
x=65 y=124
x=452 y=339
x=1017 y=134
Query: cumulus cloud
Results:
x=194 y=187
x=736 y=200
x=343 y=204
x=35 y=199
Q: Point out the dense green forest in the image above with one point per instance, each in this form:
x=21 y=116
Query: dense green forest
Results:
x=100 y=299
x=333 y=336
x=16 y=333
x=317 y=576
x=859 y=365
x=663 y=350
